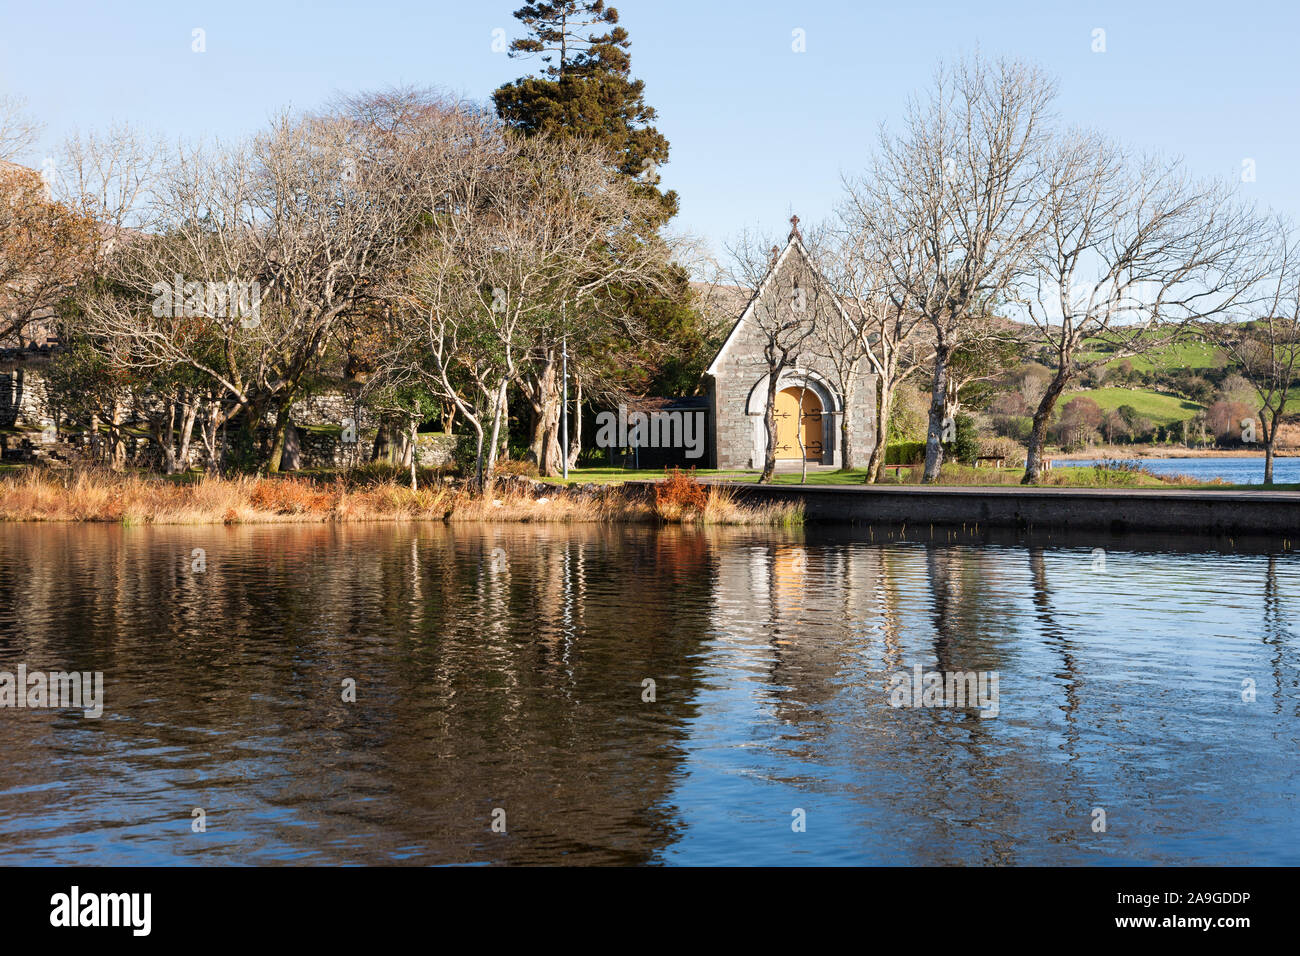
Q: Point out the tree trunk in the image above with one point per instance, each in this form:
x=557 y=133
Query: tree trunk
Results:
x=1270 y=437
x=191 y=406
x=503 y=448
x=1042 y=418
x=95 y=443
x=414 y=450
x=575 y=437
x=544 y=449
x=117 y=443
x=938 y=408
x=167 y=440
x=884 y=400
x=847 y=452
x=208 y=432
x=769 y=423
x=498 y=412
x=803 y=452
x=277 y=433
x=478 y=447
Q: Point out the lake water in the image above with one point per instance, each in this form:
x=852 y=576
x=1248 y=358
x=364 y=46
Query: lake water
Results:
x=1237 y=471
x=501 y=675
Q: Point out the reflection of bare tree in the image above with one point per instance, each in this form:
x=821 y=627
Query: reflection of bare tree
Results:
x=969 y=608
x=1056 y=636
x=969 y=621
x=1277 y=633
x=476 y=688
x=887 y=600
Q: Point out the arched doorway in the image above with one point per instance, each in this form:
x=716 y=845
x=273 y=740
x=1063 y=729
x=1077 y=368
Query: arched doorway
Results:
x=798 y=413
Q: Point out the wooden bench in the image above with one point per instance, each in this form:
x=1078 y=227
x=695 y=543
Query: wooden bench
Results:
x=999 y=461
x=896 y=469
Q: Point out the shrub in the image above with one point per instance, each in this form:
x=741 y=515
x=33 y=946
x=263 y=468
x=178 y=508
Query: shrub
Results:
x=512 y=466
x=465 y=454
x=1080 y=419
x=1225 y=418
x=904 y=452
x=965 y=445
x=593 y=457
x=1002 y=448
x=1015 y=427
x=680 y=490
x=1123 y=473
x=908 y=416
x=242 y=455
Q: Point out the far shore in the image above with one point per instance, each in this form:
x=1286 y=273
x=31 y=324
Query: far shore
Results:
x=1139 y=452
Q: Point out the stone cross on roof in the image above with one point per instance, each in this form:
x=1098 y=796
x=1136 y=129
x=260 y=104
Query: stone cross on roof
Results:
x=794 y=229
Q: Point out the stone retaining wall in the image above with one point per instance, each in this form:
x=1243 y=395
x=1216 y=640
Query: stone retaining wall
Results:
x=1276 y=514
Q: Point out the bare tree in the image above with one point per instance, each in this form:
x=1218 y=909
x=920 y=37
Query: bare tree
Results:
x=963 y=180
x=1266 y=347
x=107 y=177
x=1131 y=255
x=881 y=332
x=524 y=222
x=606 y=257
x=251 y=256
x=18 y=130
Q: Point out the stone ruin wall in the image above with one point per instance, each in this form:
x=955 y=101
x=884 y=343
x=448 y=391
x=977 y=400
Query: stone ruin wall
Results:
x=27 y=431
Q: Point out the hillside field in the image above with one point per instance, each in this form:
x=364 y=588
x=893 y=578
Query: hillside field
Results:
x=1162 y=409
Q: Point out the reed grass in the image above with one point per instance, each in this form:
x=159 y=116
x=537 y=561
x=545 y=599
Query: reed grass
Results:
x=36 y=494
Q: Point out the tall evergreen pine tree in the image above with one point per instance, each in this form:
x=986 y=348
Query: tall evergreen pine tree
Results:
x=586 y=88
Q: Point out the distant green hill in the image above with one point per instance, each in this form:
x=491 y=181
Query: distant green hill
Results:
x=1192 y=354
x=1162 y=409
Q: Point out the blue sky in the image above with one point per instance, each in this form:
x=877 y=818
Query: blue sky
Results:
x=757 y=129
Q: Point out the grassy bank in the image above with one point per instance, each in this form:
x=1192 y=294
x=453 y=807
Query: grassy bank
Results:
x=950 y=474
x=40 y=495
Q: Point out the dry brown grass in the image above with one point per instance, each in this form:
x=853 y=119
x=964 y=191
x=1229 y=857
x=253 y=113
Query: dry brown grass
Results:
x=42 y=495
x=681 y=499
x=37 y=495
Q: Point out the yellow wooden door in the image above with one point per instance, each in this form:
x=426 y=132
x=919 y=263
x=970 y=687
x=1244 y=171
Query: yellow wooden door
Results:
x=789 y=420
x=812 y=426
x=787 y=423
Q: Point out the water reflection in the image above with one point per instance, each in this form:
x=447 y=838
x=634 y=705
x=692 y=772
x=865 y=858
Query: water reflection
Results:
x=506 y=667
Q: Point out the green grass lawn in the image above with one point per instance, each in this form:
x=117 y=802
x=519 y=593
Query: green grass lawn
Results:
x=1161 y=408
x=953 y=474
x=604 y=476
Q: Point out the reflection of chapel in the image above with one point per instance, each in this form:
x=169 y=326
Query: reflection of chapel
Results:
x=809 y=404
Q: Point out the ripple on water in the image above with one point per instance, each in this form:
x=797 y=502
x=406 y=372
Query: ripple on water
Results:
x=633 y=695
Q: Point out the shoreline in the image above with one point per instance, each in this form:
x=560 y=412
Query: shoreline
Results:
x=1161 y=452
x=1225 y=512
x=43 y=496
x=37 y=496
